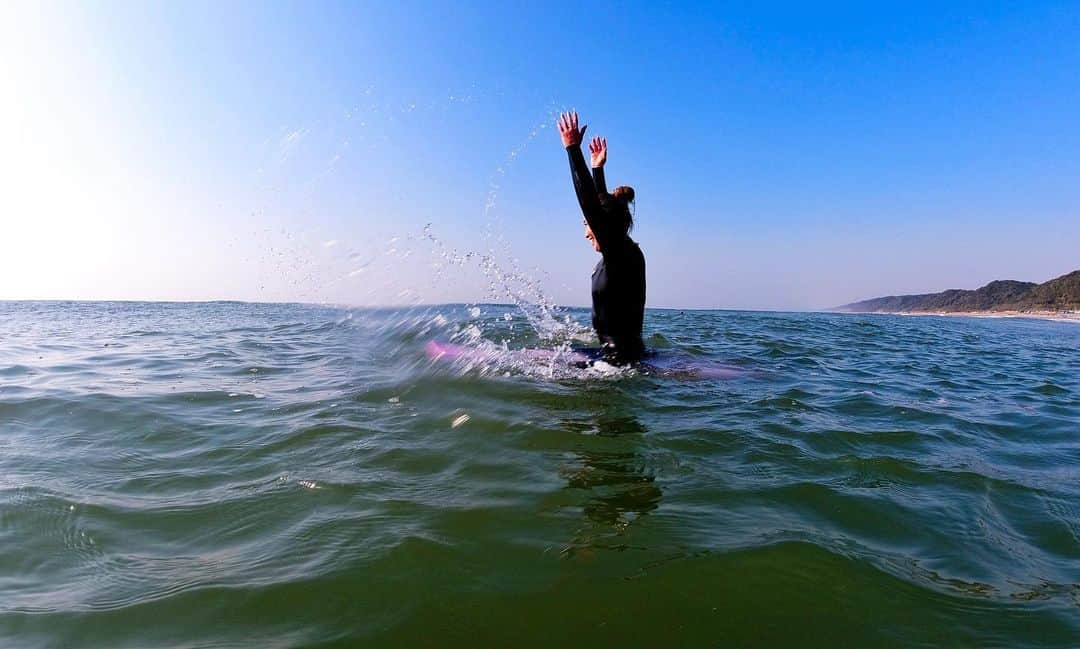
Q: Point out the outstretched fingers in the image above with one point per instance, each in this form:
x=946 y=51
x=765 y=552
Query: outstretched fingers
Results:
x=597 y=145
x=568 y=128
x=569 y=122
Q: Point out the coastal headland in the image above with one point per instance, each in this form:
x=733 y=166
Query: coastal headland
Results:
x=1056 y=299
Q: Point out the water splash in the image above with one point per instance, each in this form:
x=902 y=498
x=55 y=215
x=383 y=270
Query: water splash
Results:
x=325 y=264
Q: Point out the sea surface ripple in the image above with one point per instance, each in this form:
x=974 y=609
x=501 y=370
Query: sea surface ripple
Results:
x=279 y=475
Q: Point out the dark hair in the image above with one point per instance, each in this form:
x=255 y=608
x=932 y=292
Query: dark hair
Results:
x=623 y=196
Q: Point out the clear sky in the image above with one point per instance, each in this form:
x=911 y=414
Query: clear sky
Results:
x=785 y=155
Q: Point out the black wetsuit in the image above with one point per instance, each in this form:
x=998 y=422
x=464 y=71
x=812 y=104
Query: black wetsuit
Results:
x=618 y=282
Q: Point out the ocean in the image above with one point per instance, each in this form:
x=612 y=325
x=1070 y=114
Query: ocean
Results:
x=281 y=475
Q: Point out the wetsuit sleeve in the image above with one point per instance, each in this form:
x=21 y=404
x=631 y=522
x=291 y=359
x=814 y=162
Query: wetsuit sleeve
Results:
x=598 y=180
x=587 y=197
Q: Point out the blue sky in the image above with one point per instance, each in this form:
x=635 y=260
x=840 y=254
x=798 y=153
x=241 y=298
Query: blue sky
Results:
x=785 y=156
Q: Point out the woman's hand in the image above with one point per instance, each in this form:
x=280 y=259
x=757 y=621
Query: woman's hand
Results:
x=598 y=149
x=568 y=130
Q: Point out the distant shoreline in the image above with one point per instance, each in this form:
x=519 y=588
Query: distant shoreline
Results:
x=1060 y=316
x=1055 y=299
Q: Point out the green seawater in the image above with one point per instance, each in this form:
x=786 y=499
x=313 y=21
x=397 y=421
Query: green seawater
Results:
x=257 y=475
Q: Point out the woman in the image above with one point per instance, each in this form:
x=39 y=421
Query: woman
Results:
x=618 y=282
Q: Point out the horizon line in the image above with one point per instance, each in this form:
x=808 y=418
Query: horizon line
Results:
x=342 y=305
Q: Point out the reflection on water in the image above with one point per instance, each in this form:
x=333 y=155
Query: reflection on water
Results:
x=611 y=474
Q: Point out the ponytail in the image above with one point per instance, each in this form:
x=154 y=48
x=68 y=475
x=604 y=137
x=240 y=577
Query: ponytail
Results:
x=624 y=197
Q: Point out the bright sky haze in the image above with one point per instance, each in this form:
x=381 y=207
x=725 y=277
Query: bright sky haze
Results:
x=784 y=155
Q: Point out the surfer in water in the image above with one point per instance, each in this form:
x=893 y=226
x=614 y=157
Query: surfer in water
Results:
x=618 y=281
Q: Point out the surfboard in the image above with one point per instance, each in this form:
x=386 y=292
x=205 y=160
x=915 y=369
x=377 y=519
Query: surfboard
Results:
x=672 y=364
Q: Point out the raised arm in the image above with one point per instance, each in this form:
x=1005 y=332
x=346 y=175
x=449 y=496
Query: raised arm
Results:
x=583 y=182
x=598 y=154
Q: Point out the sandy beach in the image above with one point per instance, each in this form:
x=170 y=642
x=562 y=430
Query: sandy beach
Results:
x=1064 y=316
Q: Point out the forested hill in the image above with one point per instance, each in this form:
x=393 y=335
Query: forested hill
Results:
x=1059 y=294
